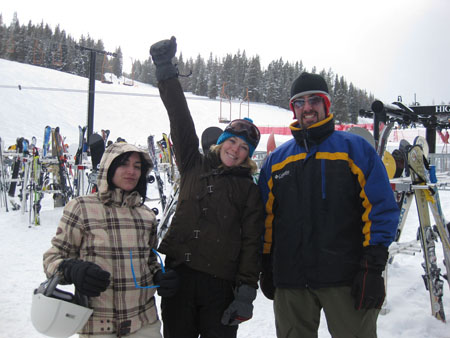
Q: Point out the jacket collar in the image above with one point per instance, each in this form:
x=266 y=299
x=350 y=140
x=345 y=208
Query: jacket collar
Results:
x=119 y=197
x=218 y=169
x=314 y=134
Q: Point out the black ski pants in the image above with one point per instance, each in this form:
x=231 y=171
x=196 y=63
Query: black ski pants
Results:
x=197 y=307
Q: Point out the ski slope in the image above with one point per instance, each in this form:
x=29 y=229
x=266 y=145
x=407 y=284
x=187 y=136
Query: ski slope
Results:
x=40 y=102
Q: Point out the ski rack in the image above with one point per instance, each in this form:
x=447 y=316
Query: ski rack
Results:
x=31 y=184
x=422 y=192
x=431 y=117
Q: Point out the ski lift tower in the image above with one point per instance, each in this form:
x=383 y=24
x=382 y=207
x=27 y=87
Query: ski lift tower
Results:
x=92 y=59
x=105 y=65
x=245 y=99
x=224 y=97
x=125 y=83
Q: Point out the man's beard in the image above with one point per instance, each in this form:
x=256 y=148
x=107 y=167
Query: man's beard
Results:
x=312 y=120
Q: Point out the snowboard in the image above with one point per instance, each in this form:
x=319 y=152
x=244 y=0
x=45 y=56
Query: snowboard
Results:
x=209 y=137
x=389 y=163
x=271 y=145
x=404 y=148
x=399 y=159
x=79 y=153
x=97 y=148
x=422 y=142
x=364 y=133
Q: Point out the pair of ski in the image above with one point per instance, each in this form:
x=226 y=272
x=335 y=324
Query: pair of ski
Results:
x=168 y=205
x=3 y=183
x=63 y=179
x=209 y=137
x=16 y=168
x=36 y=185
x=168 y=155
x=427 y=198
x=78 y=181
x=411 y=160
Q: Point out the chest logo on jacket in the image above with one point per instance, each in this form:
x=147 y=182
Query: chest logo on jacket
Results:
x=282 y=175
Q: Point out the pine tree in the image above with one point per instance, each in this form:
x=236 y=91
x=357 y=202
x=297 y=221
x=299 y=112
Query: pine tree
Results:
x=117 y=63
x=253 y=79
x=340 y=103
x=211 y=69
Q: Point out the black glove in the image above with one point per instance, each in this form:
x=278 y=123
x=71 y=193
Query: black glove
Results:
x=168 y=282
x=88 y=278
x=368 y=285
x=266 y=277
x=241 y=308
x=162 y=53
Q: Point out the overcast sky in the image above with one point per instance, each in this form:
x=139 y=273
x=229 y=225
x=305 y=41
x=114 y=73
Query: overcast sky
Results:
x=388 y=47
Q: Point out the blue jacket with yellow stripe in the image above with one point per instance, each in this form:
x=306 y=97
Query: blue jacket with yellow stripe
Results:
x=326 y=195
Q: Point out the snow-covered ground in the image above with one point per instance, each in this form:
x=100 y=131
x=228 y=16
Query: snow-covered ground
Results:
x=27 y=111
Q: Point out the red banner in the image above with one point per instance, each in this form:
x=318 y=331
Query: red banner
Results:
x=287 y=131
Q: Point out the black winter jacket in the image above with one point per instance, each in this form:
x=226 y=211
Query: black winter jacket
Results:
x=327 y=196
x=218 y=225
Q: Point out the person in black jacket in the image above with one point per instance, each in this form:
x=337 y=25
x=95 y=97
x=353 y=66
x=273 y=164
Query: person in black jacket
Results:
x=331 y=215
x=214 y=240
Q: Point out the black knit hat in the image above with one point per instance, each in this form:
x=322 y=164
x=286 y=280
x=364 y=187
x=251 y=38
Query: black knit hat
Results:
x=308 y=83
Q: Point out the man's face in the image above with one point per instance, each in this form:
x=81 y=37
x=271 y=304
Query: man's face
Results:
x=309 y=109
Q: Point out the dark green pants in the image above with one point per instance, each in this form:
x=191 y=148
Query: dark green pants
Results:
x=297 y=314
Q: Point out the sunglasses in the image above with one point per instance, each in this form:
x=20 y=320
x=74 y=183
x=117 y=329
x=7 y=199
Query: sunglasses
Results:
x=312 y=101
x=134 y=275
x=245 y=128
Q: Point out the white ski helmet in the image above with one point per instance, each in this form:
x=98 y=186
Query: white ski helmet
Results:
x=58 y=313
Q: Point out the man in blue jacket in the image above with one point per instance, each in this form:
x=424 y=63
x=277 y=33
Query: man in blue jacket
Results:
x=330 y=218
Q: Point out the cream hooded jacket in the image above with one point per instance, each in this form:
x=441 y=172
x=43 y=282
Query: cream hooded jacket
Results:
x=106 y=228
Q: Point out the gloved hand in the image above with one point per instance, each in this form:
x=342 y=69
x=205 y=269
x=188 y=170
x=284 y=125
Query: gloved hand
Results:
x=88 y=278
x=241 y=308
x=266 y=277
x=368 y=285
x=162 y=53
x=168 y=282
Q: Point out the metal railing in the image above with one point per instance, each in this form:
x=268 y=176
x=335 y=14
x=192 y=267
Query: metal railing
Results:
x=441 y=161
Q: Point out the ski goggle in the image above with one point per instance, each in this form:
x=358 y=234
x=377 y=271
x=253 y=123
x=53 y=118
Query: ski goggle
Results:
x=312 y=101
x=245 y=128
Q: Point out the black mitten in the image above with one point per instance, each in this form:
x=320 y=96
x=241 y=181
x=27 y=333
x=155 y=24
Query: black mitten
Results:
x=168 y=282
x=241 y=308
x=266 y=277
x=88 y=278
x=162 y=54
x=368 y=285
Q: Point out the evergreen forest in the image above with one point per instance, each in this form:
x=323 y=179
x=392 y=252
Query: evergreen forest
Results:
x=233 y=76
